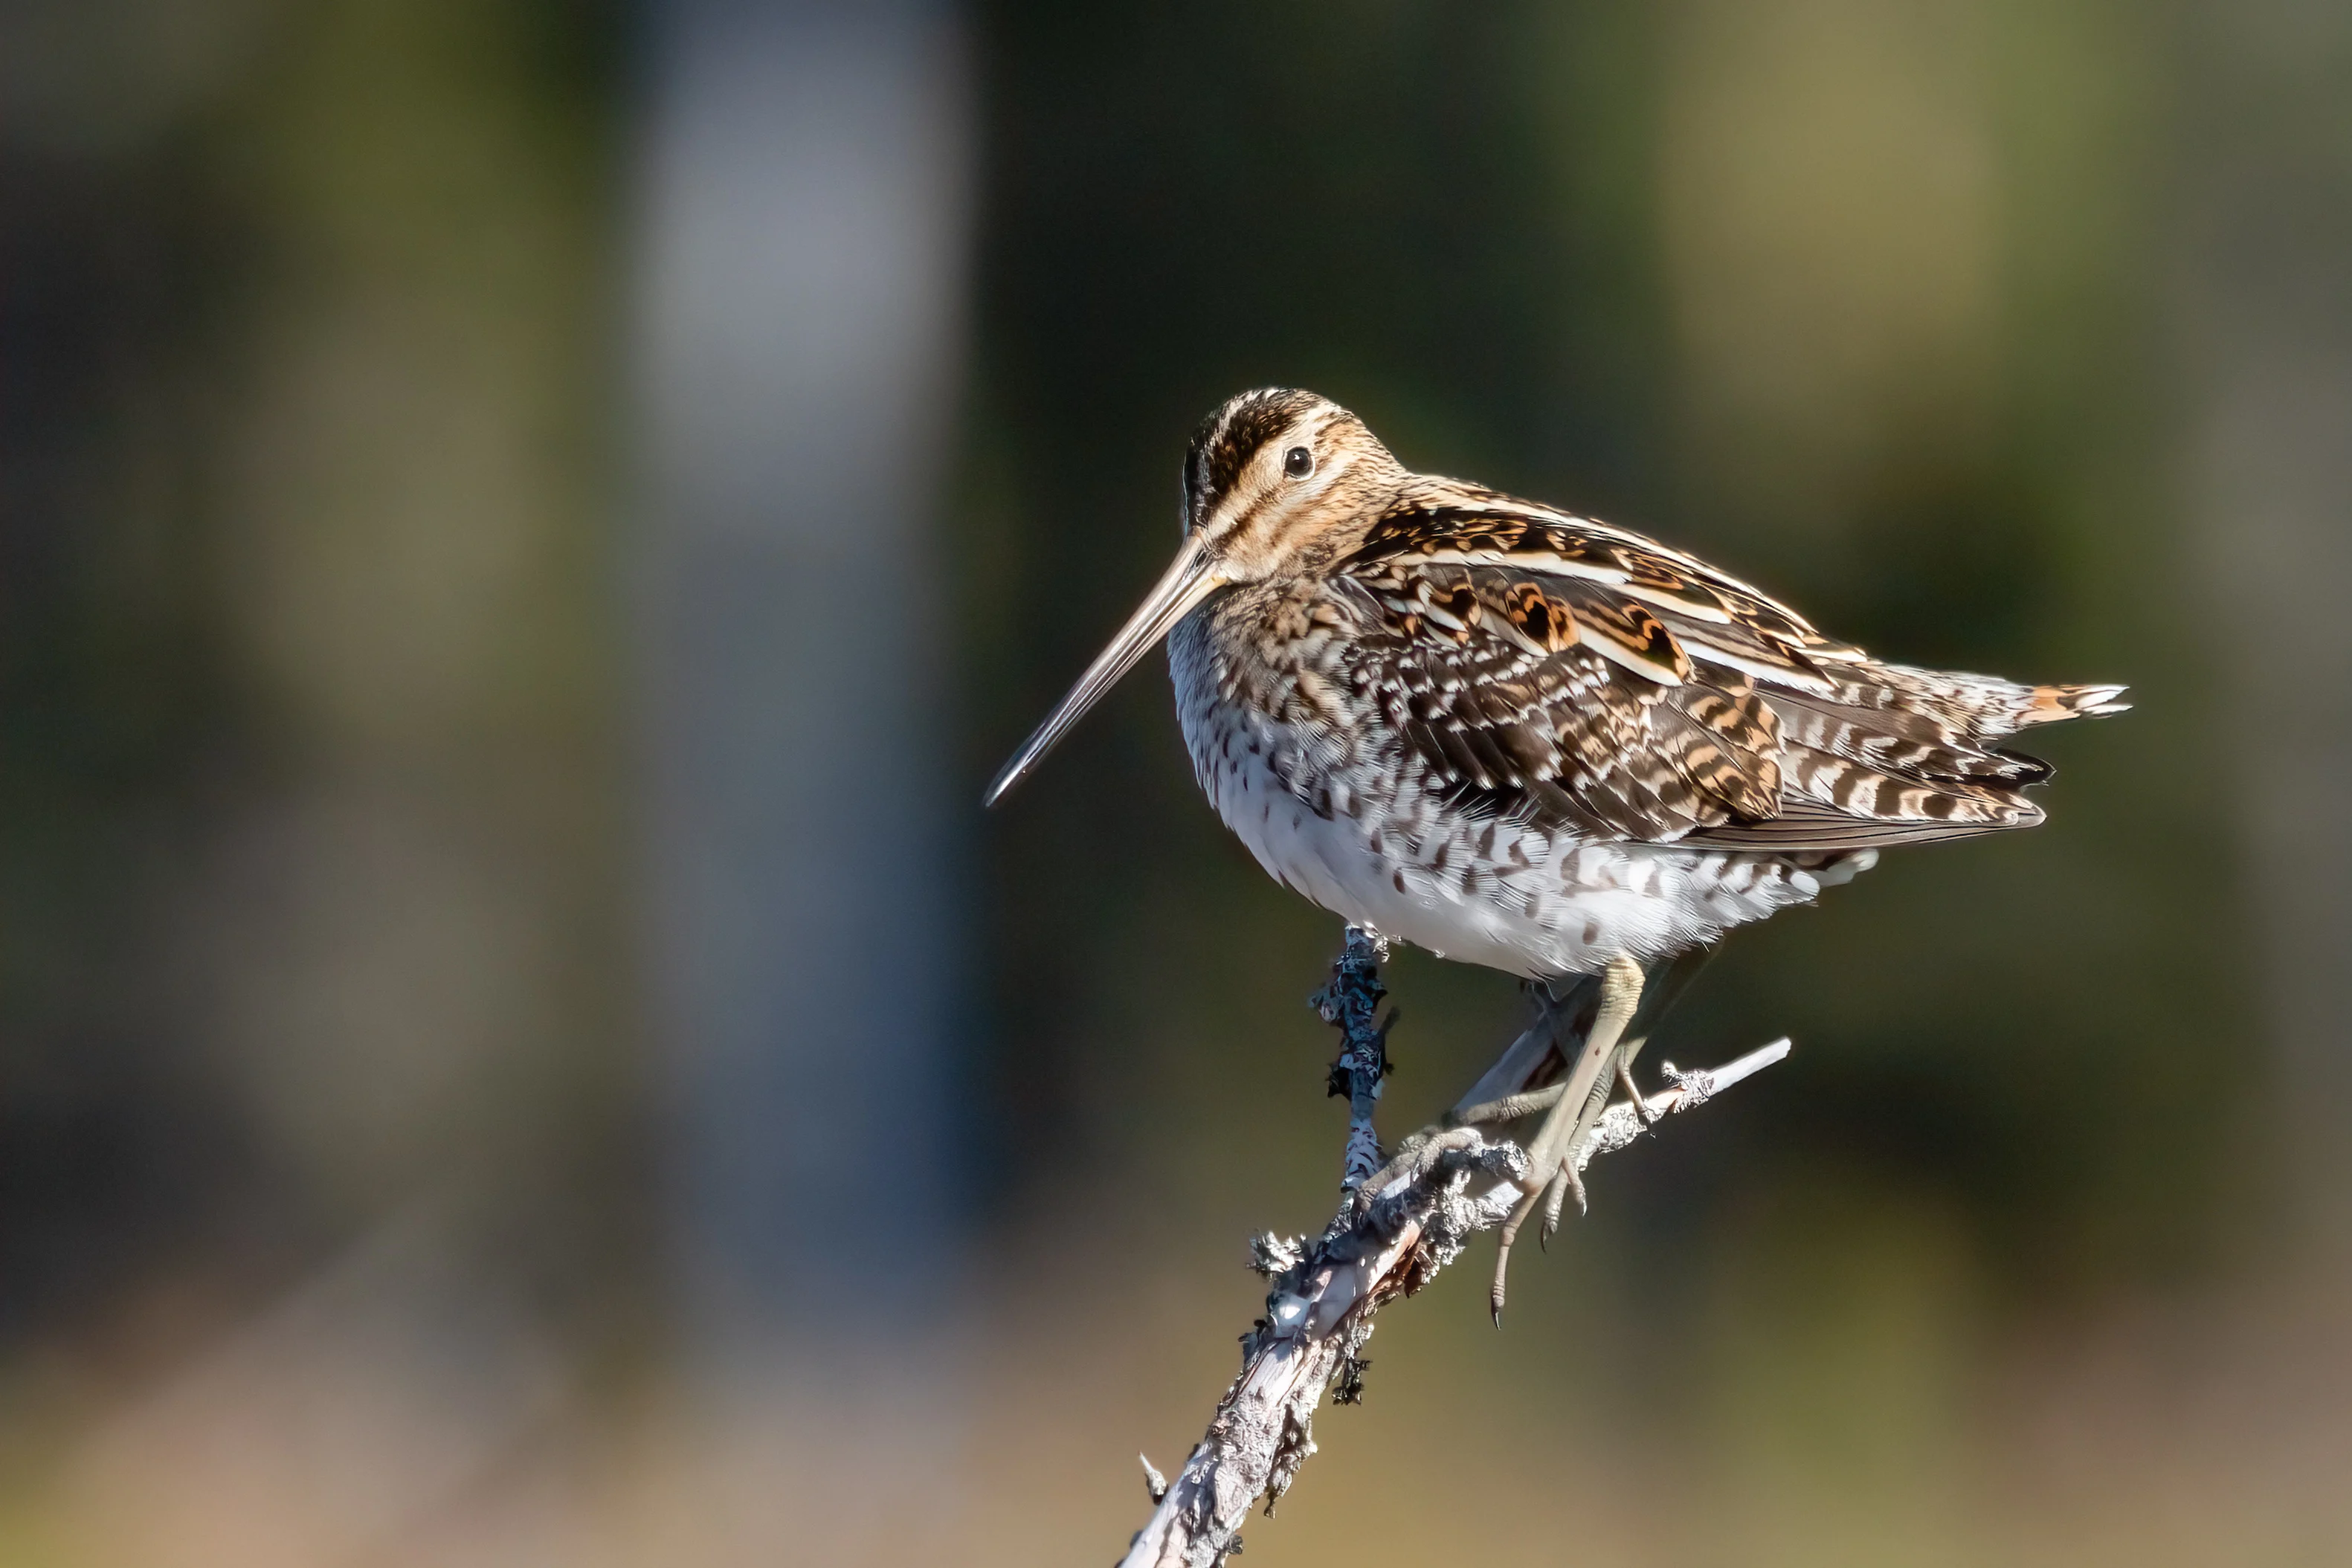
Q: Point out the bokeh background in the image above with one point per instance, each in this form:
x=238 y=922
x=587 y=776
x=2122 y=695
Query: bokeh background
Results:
x=524 y=525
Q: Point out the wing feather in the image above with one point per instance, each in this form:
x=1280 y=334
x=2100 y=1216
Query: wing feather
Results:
x=1554 y=668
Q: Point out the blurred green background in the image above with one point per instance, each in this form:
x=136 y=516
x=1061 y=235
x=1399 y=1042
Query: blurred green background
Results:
x=524 y=525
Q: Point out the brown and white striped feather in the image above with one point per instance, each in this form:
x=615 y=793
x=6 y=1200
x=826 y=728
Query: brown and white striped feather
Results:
x=1580 y=677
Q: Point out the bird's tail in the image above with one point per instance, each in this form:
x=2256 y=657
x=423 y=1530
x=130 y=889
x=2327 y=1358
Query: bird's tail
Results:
x=1986 y=708
x=2049 y=705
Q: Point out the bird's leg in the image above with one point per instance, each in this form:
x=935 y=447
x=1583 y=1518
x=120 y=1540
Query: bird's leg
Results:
x=1557 y=1019
x=1511 y=1107
x=1578 y=1106
x=1571 y=1162
x=1571 y=1116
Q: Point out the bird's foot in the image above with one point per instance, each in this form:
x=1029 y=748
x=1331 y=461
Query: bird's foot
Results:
x=1413 y=1159
x=1548 y=1188
x=1642 y=1107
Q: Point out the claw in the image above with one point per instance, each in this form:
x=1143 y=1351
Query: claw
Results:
x=1557 y=1197
x=1503 y=1252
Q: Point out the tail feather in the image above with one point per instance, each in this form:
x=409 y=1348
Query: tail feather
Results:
x=1986 y=708
x=2050 y=705
x=1905 y=756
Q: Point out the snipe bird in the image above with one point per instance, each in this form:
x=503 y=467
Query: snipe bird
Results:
x=1524 y=738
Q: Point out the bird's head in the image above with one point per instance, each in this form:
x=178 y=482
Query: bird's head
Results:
x=1270 y=477
x=1273 y=482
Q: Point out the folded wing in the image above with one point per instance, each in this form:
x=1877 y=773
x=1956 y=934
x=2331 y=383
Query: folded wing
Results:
x=1585 y=677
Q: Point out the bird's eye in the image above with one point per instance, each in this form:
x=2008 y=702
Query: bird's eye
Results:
x=1298 y=462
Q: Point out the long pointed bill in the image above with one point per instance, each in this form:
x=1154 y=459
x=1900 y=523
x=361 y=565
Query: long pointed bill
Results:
x=1186 y=583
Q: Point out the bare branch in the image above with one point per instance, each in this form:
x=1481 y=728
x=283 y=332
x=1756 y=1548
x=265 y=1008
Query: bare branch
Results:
x=1397 y=1227
x=1349 y=1003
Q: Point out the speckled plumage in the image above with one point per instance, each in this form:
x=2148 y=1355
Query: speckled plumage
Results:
x=1525 y=738
x=1365 y=827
